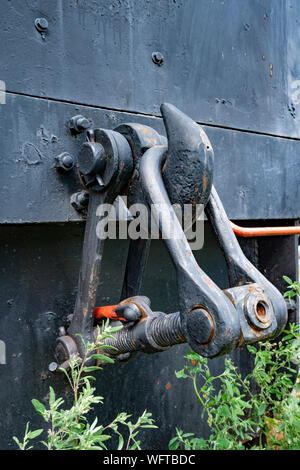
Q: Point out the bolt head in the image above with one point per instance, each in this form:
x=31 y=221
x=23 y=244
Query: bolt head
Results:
x=79 y=123
x=64 y=162
x=65 y=349
x=53 y=366
x=80 y=201
x=83 y=124
x=91 y=159
x=68 y=162
x=200 y=326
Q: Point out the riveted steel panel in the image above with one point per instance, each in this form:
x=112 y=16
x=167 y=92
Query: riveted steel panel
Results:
x=229 y=63
x=256 y=176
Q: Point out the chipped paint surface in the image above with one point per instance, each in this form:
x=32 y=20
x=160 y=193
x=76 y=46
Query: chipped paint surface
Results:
x=31 y=154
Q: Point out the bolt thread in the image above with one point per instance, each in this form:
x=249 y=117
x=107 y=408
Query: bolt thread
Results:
x=166 y=330
x=122 y=341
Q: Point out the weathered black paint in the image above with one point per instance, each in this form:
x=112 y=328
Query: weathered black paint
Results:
x=230 y=64
x=256 y=176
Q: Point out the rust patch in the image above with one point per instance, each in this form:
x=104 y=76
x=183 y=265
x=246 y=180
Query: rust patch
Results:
x=256 y=332
x=182 y=338
x=209 y=282
x=260 y=309
x=205 y=181
x=230 y=297
x=168 y=386
x=144 y=314
x=122 y=165
x=249 y=266
x=241 y=341
x=144 y=129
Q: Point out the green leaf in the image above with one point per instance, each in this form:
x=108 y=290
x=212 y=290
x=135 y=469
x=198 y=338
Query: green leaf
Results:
x=222 y=443
x=34 y=434
x=121 y=441
x=51 y=396
x=39 y=407
x=103 y=358
x=180 y=374
x=288 y=280
x=18 y=442
x=174 y=443
x=91 y=368
x=261 y=409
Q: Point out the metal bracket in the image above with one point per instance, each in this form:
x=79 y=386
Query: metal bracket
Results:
x=135 y=160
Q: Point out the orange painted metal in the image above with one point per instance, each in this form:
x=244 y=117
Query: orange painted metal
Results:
x=264 y=231
x=107 y=311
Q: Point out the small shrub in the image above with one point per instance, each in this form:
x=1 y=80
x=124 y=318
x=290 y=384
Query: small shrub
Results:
x=69 y=429
x=260 y=411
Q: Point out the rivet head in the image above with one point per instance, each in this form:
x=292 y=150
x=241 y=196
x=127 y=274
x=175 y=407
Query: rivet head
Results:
x=158 y=58
x=41 y=24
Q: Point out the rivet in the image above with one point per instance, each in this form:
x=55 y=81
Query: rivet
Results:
x=158 y=58
x=41 y=24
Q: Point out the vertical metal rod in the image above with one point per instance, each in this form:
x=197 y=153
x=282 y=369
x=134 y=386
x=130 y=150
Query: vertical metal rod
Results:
x=89 y=274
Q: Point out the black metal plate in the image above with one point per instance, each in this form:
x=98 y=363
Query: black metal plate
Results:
x=228 y=63
x=257 y=177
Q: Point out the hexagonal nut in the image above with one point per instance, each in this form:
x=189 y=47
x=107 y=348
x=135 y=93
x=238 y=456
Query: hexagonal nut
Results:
x=80 y=201
x=64 y=162
x=79 y=123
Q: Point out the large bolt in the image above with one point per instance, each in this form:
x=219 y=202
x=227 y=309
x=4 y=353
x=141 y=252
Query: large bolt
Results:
x=91 y=159
x=65 y=349
x=200 y=326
